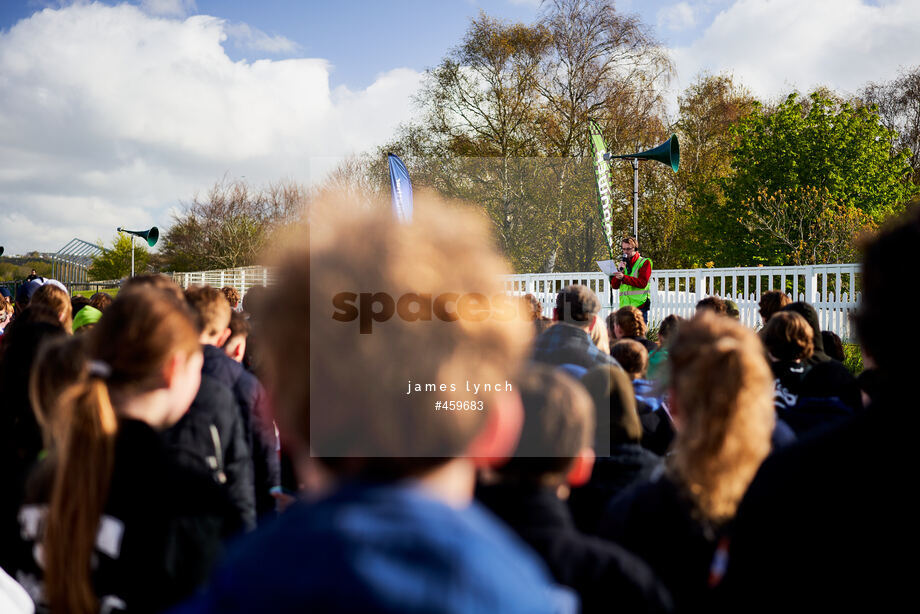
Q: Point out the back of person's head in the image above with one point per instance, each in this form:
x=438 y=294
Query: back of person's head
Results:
x=153 y=280
x=101 y=300
x=212 y=309
x=25 y=291
x=632 y=356
x=576 y=304
x=363 y=270
x=629 y=320
x=60 y=363
x=772 y=301
x=833 y=345
x=534 y=306
x=895 y=244
x=254 y=301
x=558 y=429
x=614 y=408
x=811 y=316
x=668 y=329
x=598 y=334
x=713 y=303
x=722 y=403
x=788 y=337
x=235 y=345
x=58 y=300
x=146 y=341
x=731 y=309
x=77 y=303
x=232 y=295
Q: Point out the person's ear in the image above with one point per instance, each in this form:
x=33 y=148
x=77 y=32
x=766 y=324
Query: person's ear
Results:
x=582 y=465
x=238 y=350
x=498 y=437
x=222 y=339
x=171 y=368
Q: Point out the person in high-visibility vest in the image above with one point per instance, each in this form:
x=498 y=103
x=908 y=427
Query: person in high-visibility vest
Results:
x=632 y=278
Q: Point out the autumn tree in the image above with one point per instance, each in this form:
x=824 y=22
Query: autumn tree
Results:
x=231 y=226
x=898 y=105
x=704 y=230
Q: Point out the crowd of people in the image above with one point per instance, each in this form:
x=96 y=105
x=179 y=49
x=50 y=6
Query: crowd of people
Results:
x=192 y=450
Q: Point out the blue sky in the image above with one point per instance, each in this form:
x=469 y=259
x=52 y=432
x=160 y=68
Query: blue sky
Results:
x=363 y=38
x=115 y=114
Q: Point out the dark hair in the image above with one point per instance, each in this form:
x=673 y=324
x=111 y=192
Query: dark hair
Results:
x=713 y=303
x=632 y=356
x=788 y=336
x=558 y=424
x=897 y=243
x=238 y=325
x=576 y=304
x=77 y=303
x=771 y=302
x=254 y=300
x=833 y=345
x=669 y=327
x=101 y=300
x=614 y=407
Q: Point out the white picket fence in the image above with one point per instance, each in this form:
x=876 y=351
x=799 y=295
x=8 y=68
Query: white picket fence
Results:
x=242 y=278
x=828 y=287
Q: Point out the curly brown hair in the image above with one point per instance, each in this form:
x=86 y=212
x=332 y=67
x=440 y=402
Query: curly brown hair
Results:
x=723 y=400
x=630 y=321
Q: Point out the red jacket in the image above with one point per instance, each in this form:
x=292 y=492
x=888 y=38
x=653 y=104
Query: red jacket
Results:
x=641 y=279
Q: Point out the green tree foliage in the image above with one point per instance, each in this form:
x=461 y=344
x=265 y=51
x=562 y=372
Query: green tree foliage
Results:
x=231 y=227
x=819 y=150
x=14 y=269
x=115 y=262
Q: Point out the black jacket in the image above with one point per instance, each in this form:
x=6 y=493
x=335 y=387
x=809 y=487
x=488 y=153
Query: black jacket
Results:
x=657 y=429
x=828 y=524
x=210 y=440
x=627 y=464
x=656 y=521
x=606 y=577
x=160 y=533
x=260 y=430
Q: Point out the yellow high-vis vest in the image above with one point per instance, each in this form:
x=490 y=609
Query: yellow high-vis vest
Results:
x=630 y=295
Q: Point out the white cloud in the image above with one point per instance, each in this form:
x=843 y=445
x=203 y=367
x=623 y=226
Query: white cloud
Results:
x=168 y=8
x=676 y=17
x=775 y=46
x=110 y=117
x=253 y=39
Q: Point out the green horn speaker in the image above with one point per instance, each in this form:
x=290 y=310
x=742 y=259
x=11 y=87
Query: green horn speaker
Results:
x=151 y=236
x=666 y=153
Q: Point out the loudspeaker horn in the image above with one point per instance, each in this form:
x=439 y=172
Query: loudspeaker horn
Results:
x=666 y=153
x=150 y=236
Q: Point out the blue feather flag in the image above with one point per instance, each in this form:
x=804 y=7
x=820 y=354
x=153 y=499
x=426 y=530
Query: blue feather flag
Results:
x=401 y=188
